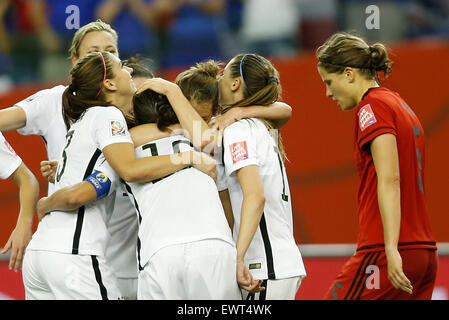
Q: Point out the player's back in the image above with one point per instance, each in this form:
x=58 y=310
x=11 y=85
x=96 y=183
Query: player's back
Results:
x=180 y=208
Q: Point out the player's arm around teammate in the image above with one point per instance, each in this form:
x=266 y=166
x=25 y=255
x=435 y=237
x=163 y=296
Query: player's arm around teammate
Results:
x=204 y=134
x=28 y=195
x=12 y=119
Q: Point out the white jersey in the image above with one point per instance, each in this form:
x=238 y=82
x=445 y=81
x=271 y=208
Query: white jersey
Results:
x=182 y=207
x=84 y=233
x=9 y=160
x=44 y=117
x=273 y=253
x=123 y=228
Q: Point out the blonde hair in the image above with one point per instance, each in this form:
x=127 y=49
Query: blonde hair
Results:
x=343 y=50
x=81 y=33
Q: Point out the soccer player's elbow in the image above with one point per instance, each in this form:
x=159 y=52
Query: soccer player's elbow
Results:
x=130 y=176
x=75 y=199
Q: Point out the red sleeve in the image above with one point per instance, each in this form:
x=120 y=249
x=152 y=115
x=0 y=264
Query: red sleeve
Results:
x=374 y=118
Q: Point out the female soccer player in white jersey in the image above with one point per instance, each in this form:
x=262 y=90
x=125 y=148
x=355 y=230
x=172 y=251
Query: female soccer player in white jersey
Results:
x=41 y=114
x=182 y=229
x=76 y=243
x=12 y=167
x=257 y=183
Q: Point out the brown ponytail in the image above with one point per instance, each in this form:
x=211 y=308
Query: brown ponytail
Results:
x=85 y=91
x=262 y=85
x=343 y=50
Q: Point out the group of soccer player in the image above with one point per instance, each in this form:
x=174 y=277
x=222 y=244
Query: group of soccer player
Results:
x=178 y=190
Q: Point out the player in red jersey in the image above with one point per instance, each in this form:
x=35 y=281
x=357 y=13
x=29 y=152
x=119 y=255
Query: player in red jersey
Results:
x=396 y=255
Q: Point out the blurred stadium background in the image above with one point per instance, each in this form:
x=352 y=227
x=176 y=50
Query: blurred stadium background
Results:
x=174 y=34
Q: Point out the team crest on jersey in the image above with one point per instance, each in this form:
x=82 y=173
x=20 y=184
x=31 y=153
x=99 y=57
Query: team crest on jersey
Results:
x=117 y=128
x=239 y=151
x=9 y=147
x=366 y=117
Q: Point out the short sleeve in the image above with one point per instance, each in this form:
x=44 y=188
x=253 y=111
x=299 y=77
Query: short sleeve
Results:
x=40 y=109
x=239 y=147
x=104 y=167
x=110 y=127
x=373 y=119
x=9 y=160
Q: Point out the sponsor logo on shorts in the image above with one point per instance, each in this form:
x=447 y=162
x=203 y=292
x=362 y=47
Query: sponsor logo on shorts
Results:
x=239 y=151
x=117 y=128
x=366 y=117
x=255 y=266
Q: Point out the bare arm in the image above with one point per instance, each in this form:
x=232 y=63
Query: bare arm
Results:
x=48 y=36
x=278 y=113
x=226 y=203
x=200 y=134
x=12 y=118
x=21 y=235
x=109 y=9
x=5 y=42
x=210 y=7
x=386 y=162
x=149 y=132
x=67 y=199
x=252 y=210
x=122 y=158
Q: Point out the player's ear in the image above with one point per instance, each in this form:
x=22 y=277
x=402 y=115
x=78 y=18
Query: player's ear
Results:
x=236 y=83
x=74 y=59
x=110 y=85
x=349 y=74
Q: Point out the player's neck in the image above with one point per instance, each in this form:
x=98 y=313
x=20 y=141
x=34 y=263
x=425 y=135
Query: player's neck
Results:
x=122 y=102
x=364 y=87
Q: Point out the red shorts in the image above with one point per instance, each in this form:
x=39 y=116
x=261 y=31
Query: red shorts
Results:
x=365 y=276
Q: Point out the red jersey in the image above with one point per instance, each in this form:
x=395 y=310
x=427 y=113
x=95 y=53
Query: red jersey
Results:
x=384 y=111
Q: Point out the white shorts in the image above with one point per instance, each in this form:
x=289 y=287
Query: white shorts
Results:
x=282 y=289
x=51 y=275
x=199 y=270
x=128 y=288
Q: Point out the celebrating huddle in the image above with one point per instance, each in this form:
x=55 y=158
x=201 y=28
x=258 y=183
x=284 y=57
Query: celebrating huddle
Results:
x=148 y=198
x=178 y=190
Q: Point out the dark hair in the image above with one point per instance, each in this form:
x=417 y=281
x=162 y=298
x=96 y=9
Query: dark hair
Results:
x=261 y=85
x=200 y=83
x=152 y=107
x=86 y=89
x=140 y=68
x=343 y=50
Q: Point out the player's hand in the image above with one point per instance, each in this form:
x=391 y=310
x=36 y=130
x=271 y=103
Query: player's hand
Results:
x=205 y=163
x=16 y=244
x=223 y=121
x=48 y=170
x=158 y=85
x=246 y=281
x=395 y=273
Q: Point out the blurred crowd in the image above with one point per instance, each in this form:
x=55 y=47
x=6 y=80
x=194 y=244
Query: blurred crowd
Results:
x=35 y=34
